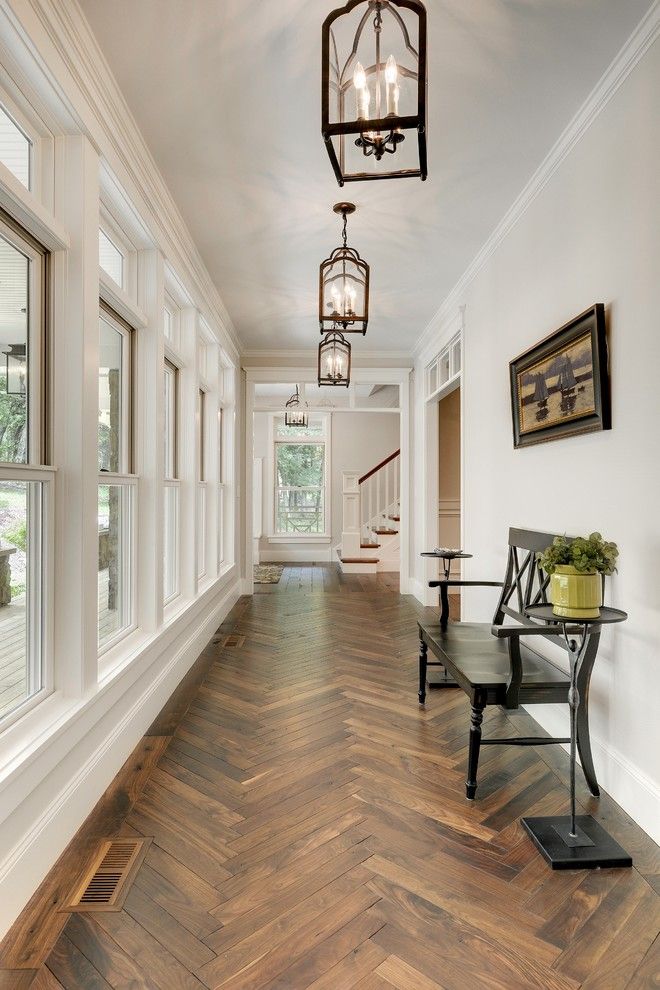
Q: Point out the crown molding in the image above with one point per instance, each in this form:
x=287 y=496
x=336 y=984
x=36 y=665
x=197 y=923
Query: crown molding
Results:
x=639 y=42
x=74 y=68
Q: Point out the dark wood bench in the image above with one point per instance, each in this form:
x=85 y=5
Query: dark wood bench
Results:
x=494 y=663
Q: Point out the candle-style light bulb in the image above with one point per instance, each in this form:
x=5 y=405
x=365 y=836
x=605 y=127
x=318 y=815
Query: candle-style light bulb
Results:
x=391 y=70
x=391 y=76
x=336 y=298
x=362 y=95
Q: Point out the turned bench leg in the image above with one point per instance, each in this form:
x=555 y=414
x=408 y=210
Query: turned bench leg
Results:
x=423 y=651
x=473 y=754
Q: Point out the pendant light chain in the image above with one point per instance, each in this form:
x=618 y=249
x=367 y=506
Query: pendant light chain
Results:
x=344 y=235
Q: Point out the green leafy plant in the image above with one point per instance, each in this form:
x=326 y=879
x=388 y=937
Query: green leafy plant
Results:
x=585 y=554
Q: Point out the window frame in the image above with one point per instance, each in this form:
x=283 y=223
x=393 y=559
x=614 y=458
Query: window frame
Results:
x=35 y=471
x=124 y=478
x=202 y=485
x=324 y=439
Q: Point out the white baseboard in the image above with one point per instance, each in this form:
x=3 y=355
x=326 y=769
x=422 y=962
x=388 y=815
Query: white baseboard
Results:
x=302 y=556
x=637 y=794
x=44 y=832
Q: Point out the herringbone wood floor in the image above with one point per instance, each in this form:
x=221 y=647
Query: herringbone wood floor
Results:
x=310 y=830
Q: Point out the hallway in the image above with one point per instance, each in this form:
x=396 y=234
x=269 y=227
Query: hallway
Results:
x=309 y=830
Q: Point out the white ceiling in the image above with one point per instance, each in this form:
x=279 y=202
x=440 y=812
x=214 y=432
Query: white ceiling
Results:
x=227 y=94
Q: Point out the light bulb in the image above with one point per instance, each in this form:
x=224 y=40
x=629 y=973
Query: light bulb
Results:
x=359 y=76
x=391 y=70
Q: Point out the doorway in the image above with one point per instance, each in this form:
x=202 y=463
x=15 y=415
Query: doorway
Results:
x=449 y=474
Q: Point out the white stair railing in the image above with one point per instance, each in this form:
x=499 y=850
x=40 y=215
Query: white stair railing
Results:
x=369 y=504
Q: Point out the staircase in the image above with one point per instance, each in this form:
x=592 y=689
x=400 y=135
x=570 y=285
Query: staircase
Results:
x=372 y=514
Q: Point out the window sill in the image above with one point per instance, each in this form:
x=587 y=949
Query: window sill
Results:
x=300 y=538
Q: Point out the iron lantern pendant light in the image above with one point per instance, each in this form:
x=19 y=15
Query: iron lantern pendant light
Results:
x=373 y=115
x=294 y=415
x=344 y=286
x=334 y=367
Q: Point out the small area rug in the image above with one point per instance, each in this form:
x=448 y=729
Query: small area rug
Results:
x=267 y=573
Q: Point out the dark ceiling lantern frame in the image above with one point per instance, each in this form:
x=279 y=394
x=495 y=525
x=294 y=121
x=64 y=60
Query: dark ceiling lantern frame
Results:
x=294 y=415
x=381 y=135
x=344 y=285
x=334 y=365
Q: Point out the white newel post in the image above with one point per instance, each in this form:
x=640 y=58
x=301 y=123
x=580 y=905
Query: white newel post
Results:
x=350 y=535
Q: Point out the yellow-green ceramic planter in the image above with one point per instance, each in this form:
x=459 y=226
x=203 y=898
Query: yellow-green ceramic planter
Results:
x=575 y=595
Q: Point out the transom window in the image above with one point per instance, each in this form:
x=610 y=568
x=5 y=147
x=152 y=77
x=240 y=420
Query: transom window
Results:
x=111 y=259
x=300 y=475
x=15 y=148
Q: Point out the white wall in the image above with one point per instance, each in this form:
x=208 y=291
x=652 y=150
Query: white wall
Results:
x=591 y=235
x=360 y=440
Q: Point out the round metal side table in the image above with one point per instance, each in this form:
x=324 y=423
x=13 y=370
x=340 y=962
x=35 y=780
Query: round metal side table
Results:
x=570 y=842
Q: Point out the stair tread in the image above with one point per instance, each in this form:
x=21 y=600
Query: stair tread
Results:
x=369 y=546
x=395 y=518
x=359 y=560
x=386 y=532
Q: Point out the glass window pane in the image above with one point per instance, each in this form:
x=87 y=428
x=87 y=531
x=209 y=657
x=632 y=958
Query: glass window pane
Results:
x=300 y=511
x=171 y=543
x=299 y=502
x=20 y=592
x=168 y=321
x=201 y=415
x=111 y=259
x=111 y=413
x=170 y=384
x=15 y=148
x=14 y=316
x=114 y=522
x=201 y=530
x=300 y=465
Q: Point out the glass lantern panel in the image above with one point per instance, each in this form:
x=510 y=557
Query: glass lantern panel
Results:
x=344 y=290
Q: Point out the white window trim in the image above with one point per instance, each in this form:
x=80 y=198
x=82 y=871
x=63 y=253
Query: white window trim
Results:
x=119 y=239
x=324 y=537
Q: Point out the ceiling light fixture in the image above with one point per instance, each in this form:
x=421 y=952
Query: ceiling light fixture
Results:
x=371 y=100
x=294 y=415
x=334 y=366
x=344 y=285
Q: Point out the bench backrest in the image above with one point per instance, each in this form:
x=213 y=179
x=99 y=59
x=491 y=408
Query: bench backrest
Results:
x=524 y=582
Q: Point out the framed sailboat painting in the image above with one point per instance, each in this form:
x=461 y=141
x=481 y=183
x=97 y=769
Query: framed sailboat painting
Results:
x=560 y=387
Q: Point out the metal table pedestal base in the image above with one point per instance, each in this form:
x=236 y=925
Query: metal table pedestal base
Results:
x=594 y=847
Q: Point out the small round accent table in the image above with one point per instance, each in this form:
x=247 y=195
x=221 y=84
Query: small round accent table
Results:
x=446 y=559
x=575 y=841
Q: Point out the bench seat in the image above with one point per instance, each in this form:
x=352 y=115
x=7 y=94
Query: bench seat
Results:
x=496 y=664
x=480 y=664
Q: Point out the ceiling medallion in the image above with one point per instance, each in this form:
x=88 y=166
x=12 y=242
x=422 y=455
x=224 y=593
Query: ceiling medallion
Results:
x=374 y=89
x=294 y=415
x=344 y=285
x=334 y=365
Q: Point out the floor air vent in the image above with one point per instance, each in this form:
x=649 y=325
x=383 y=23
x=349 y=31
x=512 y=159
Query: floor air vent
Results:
x=107 y=881
x=233 y=642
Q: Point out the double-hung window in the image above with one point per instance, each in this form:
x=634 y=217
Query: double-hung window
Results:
x=25 y=484
x=171 y=585
x=201 y=483
x=300 y=475
x=117 y=484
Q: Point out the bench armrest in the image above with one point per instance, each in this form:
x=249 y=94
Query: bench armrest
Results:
x=466 y=584
x=509 y=632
